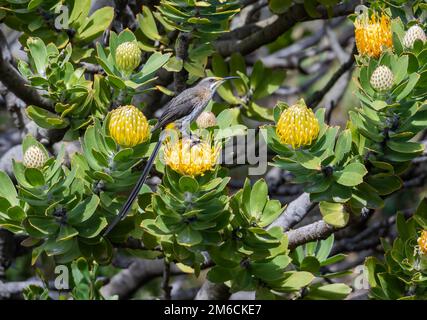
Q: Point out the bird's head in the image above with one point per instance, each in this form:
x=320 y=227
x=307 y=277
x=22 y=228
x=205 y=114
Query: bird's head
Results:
x=214 y=82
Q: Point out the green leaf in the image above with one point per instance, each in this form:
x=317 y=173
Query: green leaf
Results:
x=95 y=25
x=351 y=175
x=334 y=259
x=325 y=248
x=279 y=6
x=258 y=198
x=46 y=119
x=155 y=62
x=420 y=215
x=45 y=225
x=334 y=291
x=270 y=271
x=405 y=147
x=38 y=53
x=413 y=79
x=66 y=232
x=343 y=146
x=92 y=227
x=307 y=160
x=384 y=184
x=334 y=214
x=16 y=213
x=147 y=24
x=34 y=4
x=310 y=264
x=266 y=88
x=83 y=211
x=34 y=177
x=189 y=237
x=188 y=184
x=7 y=189
x=271 y=212
x=296 y=280
x=392 y=286
x=123 y=155
x=237 y=63
x=379 y=105
x=257 y=74
x=174 y=64
x=79 y=12
x=311 y=7
x=400 y=69
x=218 y=274
x=366 y=196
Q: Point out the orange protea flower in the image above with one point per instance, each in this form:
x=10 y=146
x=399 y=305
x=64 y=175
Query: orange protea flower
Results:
x=422 y=242
x=373 y=34
x=297 y=125
x=189 y=158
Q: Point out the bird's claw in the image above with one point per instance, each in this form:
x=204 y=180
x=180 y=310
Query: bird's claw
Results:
x=194 y=141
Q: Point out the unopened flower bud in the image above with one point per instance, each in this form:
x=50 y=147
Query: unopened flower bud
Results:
x=414 y=33
x=382 y=79
x=128 y=56
x=34 y=157
x=206 y=119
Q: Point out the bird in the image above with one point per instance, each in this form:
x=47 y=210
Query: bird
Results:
x=181 y=110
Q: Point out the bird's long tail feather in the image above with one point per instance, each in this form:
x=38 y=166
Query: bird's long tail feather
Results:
x=135 y=191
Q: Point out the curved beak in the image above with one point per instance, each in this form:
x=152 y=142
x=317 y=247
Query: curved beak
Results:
x=222 y=80
x=231 y=77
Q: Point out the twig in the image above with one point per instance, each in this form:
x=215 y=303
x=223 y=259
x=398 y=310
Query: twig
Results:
x=181 y=51
x=335 y=44
x=135 y=244
x=7 y=249
x=166 y=278
x=317 y=96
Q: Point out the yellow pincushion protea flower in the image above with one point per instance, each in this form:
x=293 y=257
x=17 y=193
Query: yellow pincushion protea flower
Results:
x=128 y=126
x=373 y=34
x=297 y=125
x=422 y=242
x=190 y=159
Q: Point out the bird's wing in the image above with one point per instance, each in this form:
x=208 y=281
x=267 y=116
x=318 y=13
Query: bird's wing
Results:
x=179 y=107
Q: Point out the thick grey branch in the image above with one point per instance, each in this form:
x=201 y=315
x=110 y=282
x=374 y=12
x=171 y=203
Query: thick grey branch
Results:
x=280 y=25
x=315 y=231
x=13 y=290
x=16 y=83
x=126 y=282
x=294 y=212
